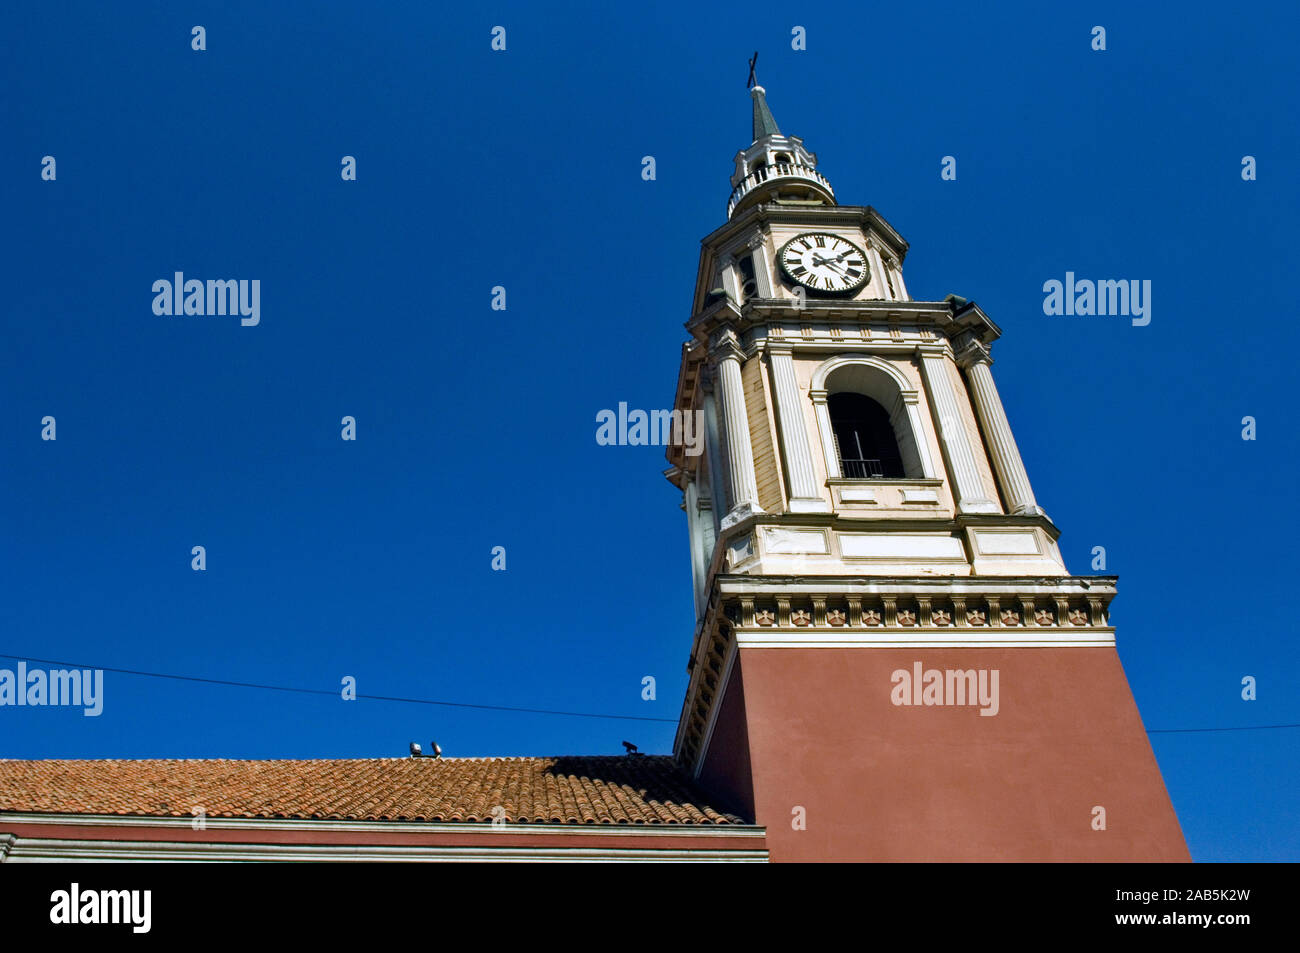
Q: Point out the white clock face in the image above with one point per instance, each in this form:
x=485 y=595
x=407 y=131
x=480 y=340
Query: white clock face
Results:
x=824 y=262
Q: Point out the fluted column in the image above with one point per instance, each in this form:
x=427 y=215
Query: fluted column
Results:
x=800 y=479
x=876 y=263
x=762 y=267
x=969 y=489
x=1010 y=468
x=740 y=453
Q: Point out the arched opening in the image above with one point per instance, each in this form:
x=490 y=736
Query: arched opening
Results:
x=864 y=438
x=869 y=420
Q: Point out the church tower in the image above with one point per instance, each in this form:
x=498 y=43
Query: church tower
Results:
x=891 y=661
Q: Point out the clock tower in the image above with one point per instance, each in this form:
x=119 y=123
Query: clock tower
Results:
x=890 y=660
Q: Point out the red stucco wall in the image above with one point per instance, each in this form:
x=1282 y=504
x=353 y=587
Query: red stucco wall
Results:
x=892 y=783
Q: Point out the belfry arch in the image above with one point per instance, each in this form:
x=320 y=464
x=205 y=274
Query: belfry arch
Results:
x=883 y=383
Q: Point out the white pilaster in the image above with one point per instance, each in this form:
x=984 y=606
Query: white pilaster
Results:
x=878 y=269
x=915 y=434
x=898 y=279
x=801 y=481
x=827 y=435
x=952 y=435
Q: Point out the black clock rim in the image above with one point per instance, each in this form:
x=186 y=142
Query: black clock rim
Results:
x=866 y=267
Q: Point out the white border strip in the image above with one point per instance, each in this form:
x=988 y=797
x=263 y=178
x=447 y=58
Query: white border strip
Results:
x=404 y=827
x=36 y=850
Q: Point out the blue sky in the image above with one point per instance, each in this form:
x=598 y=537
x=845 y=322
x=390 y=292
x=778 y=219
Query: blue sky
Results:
x=476 y=427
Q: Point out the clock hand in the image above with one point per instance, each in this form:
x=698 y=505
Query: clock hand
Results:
x=832 y=264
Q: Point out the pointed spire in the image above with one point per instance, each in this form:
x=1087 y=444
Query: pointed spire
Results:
x=764 y=123
x=775 y=167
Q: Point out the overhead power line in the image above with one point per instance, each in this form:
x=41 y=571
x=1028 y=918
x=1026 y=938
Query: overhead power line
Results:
x=333 y=692
x=513 y=708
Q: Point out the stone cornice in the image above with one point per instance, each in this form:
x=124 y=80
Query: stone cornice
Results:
x=880 y=524
x=768 y=214
x=846 y=309
x=689 y=376
x=969 y=350
x=840 y=322
x=729 y=584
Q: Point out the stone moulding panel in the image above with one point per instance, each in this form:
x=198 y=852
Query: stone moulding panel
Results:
x=740 y=550
x=882 y=495
x=897 y=546
x=1002 y=543
x=920 y=495
x=794 y=541
x=850 y=494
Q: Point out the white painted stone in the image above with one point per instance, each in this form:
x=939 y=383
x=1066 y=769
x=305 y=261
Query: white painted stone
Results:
x=920 y=495
x=900 y=546
x=857 y=495
x=1007 y=544
x=779 y=540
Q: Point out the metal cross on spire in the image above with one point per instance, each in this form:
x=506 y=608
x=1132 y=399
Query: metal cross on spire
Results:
x=752 y=61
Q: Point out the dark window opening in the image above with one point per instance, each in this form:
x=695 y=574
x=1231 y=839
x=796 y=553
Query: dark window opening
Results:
x=748 y=284
x=864 y=438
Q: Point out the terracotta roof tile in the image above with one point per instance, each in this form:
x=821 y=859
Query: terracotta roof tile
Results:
x=641 y=789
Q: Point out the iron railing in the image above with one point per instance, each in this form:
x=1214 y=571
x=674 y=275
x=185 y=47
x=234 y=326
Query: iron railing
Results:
x=861 y=469
x=770 y=173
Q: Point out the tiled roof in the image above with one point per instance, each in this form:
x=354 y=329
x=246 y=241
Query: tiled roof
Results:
x=637 y=789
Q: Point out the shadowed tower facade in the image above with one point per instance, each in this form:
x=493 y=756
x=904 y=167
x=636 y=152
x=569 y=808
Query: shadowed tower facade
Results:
x=890 y=659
